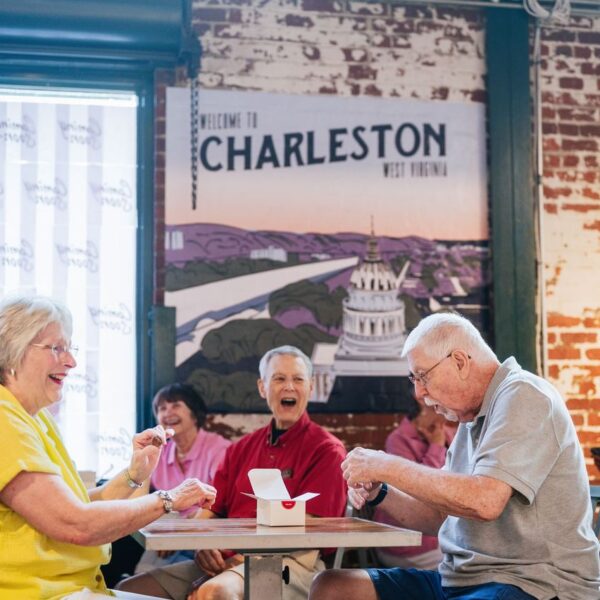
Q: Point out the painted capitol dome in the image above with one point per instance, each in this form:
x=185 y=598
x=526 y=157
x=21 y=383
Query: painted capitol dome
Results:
x=373 y=321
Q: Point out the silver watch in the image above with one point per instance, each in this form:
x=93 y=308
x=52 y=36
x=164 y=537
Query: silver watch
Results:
x=167 y=500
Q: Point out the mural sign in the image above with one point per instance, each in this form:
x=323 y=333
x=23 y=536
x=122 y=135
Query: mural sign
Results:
x=333 y=224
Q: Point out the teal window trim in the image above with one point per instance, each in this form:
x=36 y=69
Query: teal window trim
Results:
x=513 y=231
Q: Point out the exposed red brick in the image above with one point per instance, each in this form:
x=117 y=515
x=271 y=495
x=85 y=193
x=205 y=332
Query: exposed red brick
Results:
x=361 y=72
x=580 y=208
x=576 y=114
x=292 y=20
x=557 y=192
x=549 y=128
x=580 y=404
x=563 y=50
x=578 y=420
x=570 y=160
x=568 y=129
x=564 y=353
x=590 y=438
x=593 y=226
x=568 y=176
x=372 y=90
x=478 y=96
x=558 y=320
x=332 y=6
x=582 y=52
x=548 y=113
x=558 y=35
x=570 y=83
x=589 y=145
x=590 y=193
x=551 y=160
x=440 y=93
x=590 y=69
x=551 y=209
x=553 y=372
x=593 y=353
x=593 y=321
x=590 y=130
x=593 y=421
x=591 y=160
x=578 y=338
x=589 y=37
x=550 y=144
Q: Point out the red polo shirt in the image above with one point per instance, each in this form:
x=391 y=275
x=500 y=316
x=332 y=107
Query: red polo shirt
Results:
x=310 y=461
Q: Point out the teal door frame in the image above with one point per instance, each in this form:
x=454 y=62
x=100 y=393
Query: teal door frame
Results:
x=512 y=190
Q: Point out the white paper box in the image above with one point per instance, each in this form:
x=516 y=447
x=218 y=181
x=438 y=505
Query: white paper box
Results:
x=273 y=503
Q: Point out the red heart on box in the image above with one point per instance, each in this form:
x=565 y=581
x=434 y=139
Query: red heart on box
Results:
x=288 y=504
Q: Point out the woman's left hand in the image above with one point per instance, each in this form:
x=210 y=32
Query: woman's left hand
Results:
x=147 y=447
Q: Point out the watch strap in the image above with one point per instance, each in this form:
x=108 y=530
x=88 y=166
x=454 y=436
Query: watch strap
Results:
x=167 y=499
x=383 y=490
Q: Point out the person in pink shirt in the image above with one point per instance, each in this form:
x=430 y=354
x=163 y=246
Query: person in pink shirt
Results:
x=191 y=449
x=424 y=439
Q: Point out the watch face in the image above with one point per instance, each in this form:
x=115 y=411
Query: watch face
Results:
x=167 y=500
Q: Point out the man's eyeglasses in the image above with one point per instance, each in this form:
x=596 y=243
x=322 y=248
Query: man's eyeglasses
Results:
x=422 y=377
x=58 y=349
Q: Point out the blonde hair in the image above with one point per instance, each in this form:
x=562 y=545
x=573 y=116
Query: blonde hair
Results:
x=22 y=319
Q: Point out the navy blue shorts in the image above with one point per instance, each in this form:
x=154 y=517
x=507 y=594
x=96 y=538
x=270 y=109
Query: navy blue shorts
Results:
x=413 y=584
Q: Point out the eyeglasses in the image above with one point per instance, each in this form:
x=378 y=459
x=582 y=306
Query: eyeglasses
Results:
x=58 y=349
x=422 y=377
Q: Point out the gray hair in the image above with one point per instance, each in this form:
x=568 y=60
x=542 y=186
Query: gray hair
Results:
x=287 y=351
x=22 y=319
x=439 y=334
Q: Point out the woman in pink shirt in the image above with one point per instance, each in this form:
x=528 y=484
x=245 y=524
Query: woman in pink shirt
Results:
x=423 y=439
x=191 y=449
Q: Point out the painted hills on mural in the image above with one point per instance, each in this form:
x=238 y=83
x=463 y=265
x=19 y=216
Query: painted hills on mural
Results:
x=239 y=293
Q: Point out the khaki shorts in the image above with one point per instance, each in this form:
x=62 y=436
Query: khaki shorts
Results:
x=304 y=565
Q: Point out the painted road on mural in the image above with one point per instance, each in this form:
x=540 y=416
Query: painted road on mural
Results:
x=204 y=307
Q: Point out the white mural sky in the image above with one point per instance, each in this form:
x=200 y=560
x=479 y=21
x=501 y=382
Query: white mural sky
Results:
x=374 y=163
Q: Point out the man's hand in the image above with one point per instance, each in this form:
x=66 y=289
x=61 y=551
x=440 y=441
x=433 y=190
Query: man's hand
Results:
x=361 y=466
x=193 y=492
x=360 y=495
x=147 y=446
x=212 y=562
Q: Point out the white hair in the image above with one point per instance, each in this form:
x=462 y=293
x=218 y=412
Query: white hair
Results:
x=286 y=351
x=439 y=334
x=22 y=319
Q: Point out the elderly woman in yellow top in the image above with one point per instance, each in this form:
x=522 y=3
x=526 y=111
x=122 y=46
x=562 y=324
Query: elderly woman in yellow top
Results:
x=53 y=533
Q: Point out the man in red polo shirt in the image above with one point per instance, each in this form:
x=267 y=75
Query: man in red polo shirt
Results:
x=310 y=461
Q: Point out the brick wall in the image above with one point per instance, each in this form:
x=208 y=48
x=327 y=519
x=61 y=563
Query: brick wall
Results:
x=571 y=219
x=434 y=53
